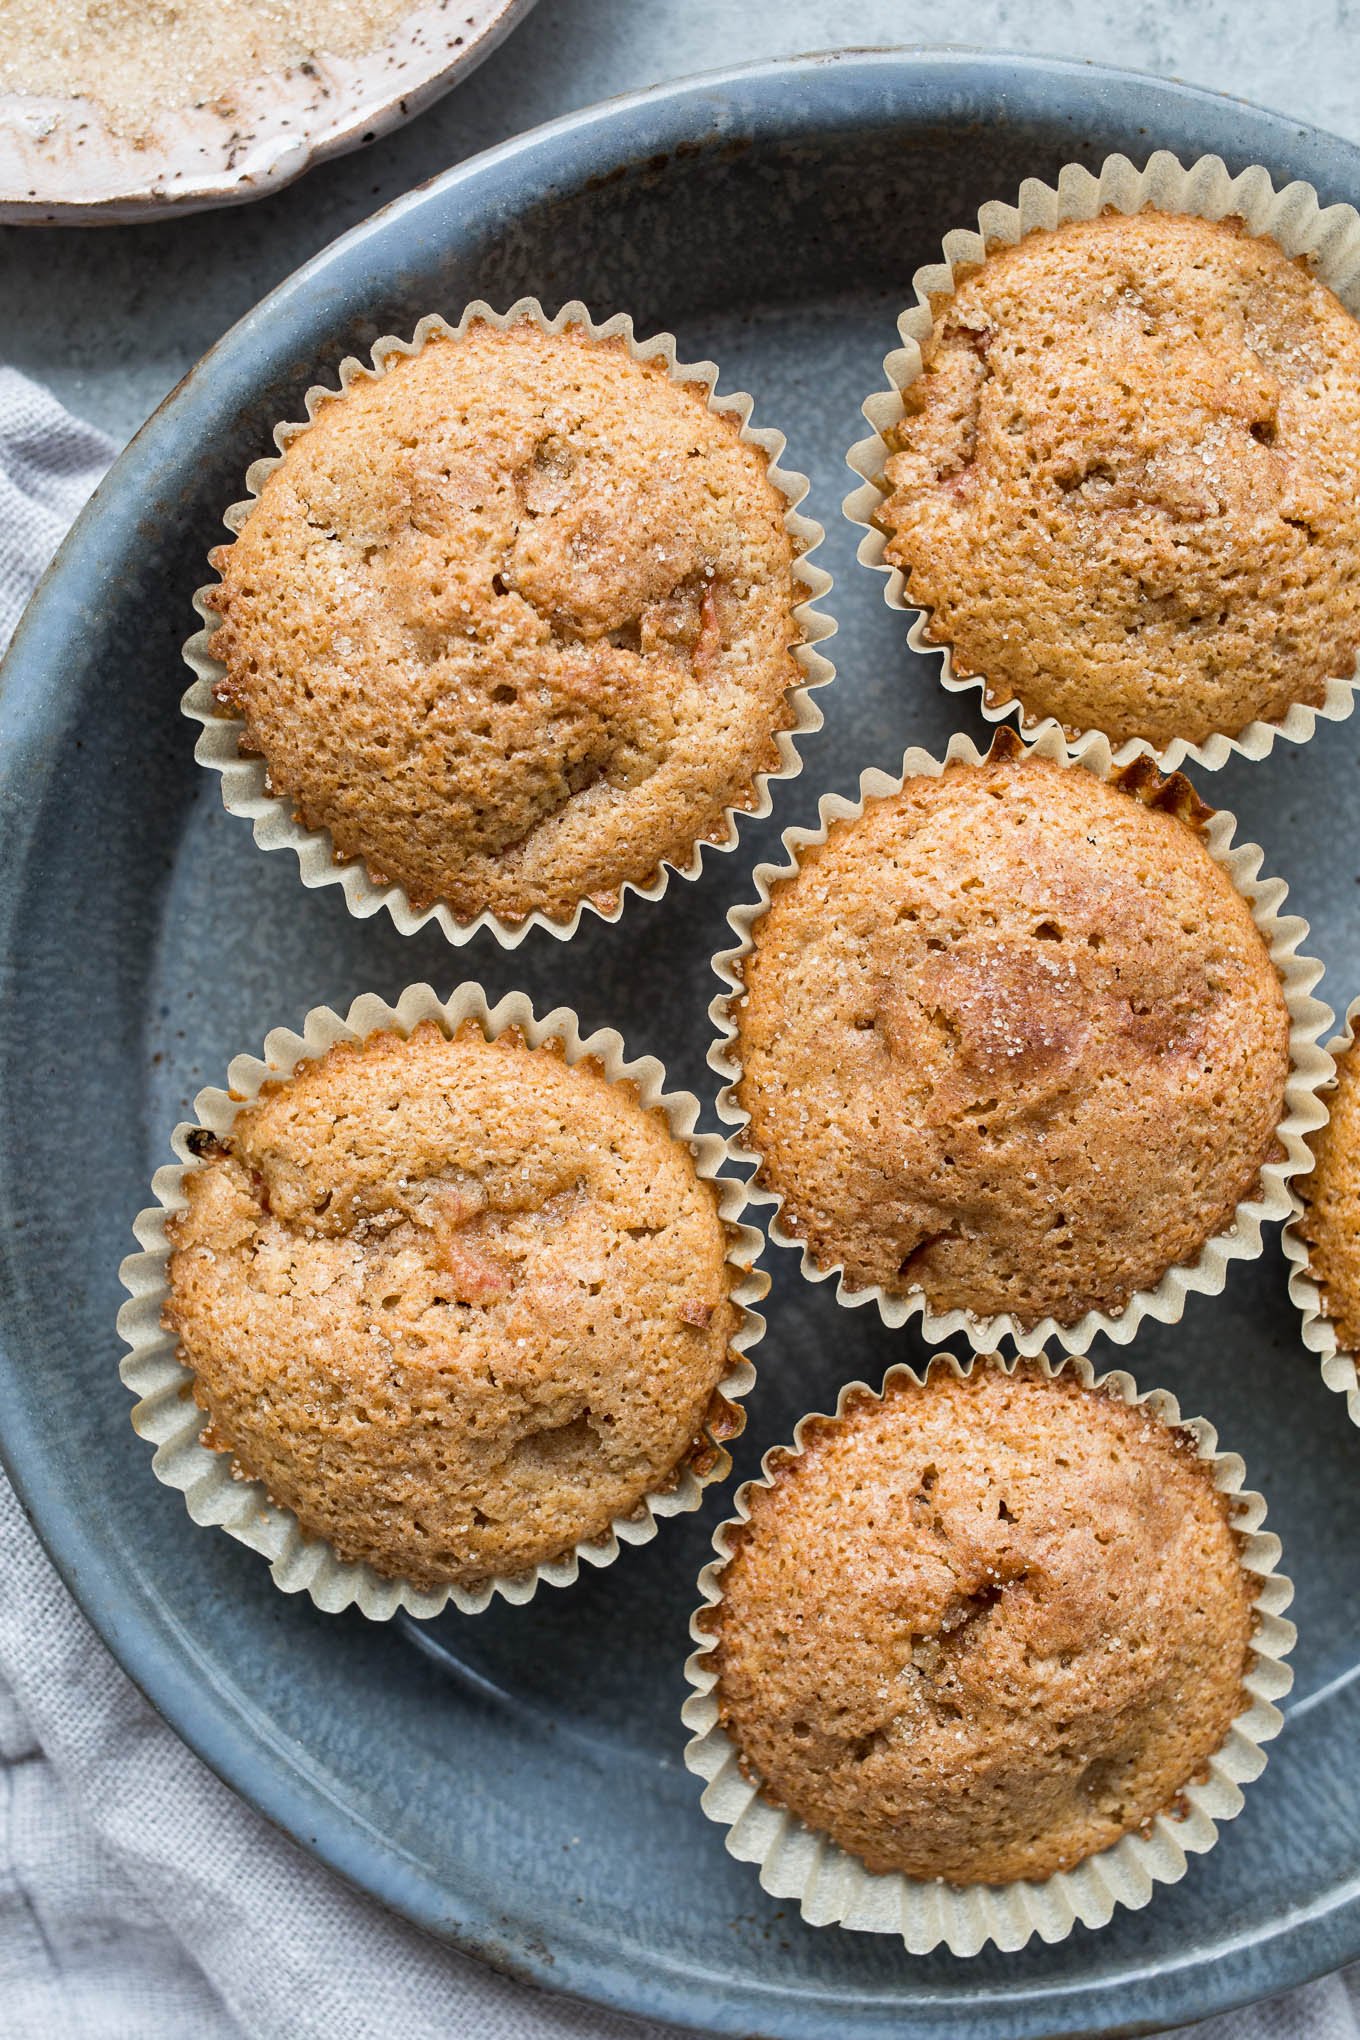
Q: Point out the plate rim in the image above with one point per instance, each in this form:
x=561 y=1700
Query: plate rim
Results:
x=158 y=1653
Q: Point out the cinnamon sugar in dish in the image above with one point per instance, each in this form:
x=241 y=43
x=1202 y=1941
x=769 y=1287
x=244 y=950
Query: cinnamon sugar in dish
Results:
x=137 y=58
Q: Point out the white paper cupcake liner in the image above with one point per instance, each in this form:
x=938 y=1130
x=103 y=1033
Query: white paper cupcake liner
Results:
x=834 y=1888
x=1339 y=1368
x=1327 y=236
x=168 y=1416
x=276 y=826
x=1310 y=1067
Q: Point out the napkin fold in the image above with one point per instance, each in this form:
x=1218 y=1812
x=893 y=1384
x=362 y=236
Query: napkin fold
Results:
x=140 y=1899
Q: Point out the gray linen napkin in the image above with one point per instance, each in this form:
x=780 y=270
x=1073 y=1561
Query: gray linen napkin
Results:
x=139 y=1898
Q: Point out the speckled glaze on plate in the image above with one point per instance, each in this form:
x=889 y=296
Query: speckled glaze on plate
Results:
x=63 y=164
x=515 y=1782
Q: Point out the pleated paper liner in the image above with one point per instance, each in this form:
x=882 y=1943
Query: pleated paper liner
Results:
x=1339 y=1368
x=832 y=1887
x=1310 y=1065
x=168 y=1416
x=1327 y=236
x=276 y=826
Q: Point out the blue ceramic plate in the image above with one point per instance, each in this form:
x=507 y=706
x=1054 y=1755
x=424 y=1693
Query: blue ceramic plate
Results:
x=514 y=1782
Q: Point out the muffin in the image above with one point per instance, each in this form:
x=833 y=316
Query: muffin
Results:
x=458 y=1303
x=1330 y=1222
x=978 y=1629
x=1009 y=1041
x=513 y=620
x=1127 y=485
x=1323 y=1239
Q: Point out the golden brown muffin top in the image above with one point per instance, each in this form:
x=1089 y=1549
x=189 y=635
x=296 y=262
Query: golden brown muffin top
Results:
x=1128 y=483
x=1012 y=1038
x=457 y=1303
x=980 y=1630
x=1330 y=1223
x=513 y=621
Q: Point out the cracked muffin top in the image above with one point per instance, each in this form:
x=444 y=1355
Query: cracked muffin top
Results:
x=457 y=1303
x=1127 y=486
x=979 y=1630
x=1330 y=1221
x=513 y=620
x=1012 y=1038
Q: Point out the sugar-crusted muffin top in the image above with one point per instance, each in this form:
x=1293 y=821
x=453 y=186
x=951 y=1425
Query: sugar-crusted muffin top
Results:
x=1011 y=1038
x=979 y=1630
x=1330 y=1222
x=1127 y=486
x=457 y=1303
x=513 y=620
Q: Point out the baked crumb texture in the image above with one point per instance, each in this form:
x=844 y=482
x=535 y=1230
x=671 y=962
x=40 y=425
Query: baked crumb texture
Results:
x=457 y=1303
x=1127 y=486
x=514 y=620
x=1329 y=1224
x=1011 y=1039
x=979 y=1630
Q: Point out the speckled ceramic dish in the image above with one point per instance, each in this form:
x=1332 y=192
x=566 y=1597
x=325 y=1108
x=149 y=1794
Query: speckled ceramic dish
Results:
x=771 y=219
x=63 y=162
